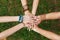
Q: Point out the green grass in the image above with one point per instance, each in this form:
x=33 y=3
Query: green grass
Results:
x=14 y=7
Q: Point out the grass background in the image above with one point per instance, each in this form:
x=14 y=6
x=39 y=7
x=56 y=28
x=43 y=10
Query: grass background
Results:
x=14 y=7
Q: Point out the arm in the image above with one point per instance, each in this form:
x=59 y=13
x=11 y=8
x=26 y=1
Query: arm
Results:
x=49 y=16
x=10 y=31
x=34 y=9
x=9 y=18
x=27 y=17
x=25 y=6
x=47 y=34
x=34 y=6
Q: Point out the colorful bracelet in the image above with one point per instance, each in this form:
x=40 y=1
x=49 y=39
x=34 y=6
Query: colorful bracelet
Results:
x=20 y=18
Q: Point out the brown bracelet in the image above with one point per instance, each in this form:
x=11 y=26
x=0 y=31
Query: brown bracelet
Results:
x=25 y=9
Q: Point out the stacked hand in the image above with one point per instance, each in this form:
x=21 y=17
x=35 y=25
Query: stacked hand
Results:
x=31 y=20
x=36 y=20
x=27 y=19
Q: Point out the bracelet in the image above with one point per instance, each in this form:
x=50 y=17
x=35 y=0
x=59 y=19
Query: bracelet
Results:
x=20 y=18
x=25 y=9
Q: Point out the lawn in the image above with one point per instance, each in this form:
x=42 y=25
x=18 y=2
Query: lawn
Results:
x=14 y=8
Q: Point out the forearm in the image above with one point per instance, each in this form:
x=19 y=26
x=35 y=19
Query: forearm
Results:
x=25 y=6
x=10 y=31
x=34 y=6
x=49 y=16
x=47 y=34
x=9 y=18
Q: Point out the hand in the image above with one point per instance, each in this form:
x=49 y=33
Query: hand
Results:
x=36 y=19
x=27 y=20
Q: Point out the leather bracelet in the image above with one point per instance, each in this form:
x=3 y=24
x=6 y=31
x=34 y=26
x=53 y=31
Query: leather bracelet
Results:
x=25 y=9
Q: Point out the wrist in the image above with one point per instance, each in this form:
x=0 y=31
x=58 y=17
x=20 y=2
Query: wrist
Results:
x=25 y=8
x=42 y=17
x=27 y=12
